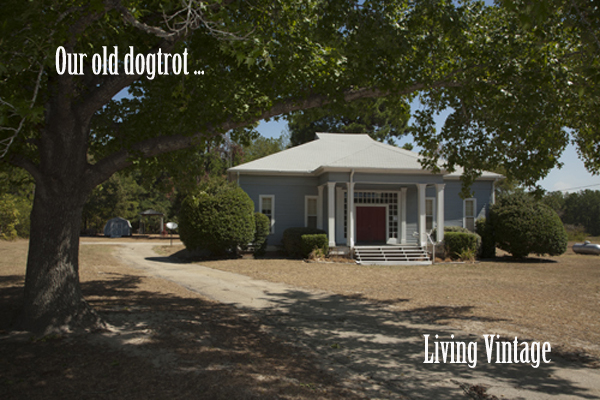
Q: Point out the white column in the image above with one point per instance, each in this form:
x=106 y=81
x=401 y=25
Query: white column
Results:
x=439 y=201
x=350 y=227
x=339 y=215
x=403 y=214
x=422 y=222
x=331 y=212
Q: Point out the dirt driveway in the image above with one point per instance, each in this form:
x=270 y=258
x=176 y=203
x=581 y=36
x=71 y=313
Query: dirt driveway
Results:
x=380 y=344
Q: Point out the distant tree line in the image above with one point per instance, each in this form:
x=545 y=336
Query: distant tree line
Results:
x=160 y=184
x=580 y=208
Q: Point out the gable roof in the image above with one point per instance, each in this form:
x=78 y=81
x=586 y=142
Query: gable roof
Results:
x=337 y=151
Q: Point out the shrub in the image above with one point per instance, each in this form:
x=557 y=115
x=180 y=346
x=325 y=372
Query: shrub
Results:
x=219 y=218
x=457 y=243
x=453 y=228
x=314 y=242
x=292 y=240
x=467 y=255
x=523 y=226
x=488 y=242
x=576 y=233
x=261 y=231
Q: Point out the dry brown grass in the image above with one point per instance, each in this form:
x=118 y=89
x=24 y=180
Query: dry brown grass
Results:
x=554 y=299
x=167 y=343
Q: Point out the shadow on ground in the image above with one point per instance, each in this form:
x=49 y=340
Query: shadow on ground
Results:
x=167 y=346
x=163 y=346
x=388 y=347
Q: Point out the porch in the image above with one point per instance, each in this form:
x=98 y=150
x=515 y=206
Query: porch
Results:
x=375 y=214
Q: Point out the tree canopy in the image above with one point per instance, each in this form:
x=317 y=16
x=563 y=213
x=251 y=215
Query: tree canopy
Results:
x=384 y=119
x=514 y=88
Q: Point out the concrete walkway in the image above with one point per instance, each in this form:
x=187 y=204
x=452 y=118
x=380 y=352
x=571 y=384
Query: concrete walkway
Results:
x=380 y=350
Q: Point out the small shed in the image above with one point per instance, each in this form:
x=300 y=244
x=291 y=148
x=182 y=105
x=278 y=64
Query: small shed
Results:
x=117 y=227
x=150 y=213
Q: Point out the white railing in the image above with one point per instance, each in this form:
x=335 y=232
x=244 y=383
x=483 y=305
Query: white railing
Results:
x=429 y=240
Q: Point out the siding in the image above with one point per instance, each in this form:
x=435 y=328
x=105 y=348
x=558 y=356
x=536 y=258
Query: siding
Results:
x=289 y=192
x=453 y=213
x=289 y=195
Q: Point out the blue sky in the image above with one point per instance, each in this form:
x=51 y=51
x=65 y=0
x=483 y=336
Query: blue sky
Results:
x=572 y=177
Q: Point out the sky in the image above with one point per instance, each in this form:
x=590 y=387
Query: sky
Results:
x=572 y=177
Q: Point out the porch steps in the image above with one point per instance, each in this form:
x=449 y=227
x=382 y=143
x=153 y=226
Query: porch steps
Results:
x=407 y=254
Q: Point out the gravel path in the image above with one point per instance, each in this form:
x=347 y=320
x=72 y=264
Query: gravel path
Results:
x=380 y=349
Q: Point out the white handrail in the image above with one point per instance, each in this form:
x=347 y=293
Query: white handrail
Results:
x=430 y=240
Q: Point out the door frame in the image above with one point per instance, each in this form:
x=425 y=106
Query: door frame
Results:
x=387 y=219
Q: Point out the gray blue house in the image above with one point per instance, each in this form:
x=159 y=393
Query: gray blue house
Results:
x=363 y=193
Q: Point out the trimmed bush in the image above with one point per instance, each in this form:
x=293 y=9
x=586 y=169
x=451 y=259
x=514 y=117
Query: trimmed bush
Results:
x=318 y=241
x=453 y=228
x=459 y=229
x=292 y=240
x=523 y=226
x=261 y=231
x=488 y=242
x=457 y=243
x=219 y=218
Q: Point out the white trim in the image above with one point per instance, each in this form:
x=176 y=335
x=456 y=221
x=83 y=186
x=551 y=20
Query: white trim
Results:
x=406 y=171
x=474 y=200
x=387 y=218
x=260 y=208
x=306 y=199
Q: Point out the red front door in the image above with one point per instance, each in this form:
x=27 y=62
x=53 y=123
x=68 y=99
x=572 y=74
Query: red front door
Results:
x=370 y=224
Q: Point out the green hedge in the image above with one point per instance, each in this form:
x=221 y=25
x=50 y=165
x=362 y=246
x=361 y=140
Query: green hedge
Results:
x=457 y=242
x=219 y=219
x=292 y=240
x=451 y=228
x=261 y=231
x=523 y=225
x=312 y=242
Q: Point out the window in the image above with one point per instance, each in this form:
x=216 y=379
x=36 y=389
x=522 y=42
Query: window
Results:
x=429 y=213
x=267 y=207
x=470 y=206
x=310 y=211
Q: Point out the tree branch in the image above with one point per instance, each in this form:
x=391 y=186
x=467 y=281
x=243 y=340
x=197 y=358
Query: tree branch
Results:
x=179 y=24
x=27 y=165
x=104 y=168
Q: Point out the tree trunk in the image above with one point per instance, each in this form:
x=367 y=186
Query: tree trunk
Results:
x=53 y=301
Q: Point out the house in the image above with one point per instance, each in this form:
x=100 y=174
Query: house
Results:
x=360 y=191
